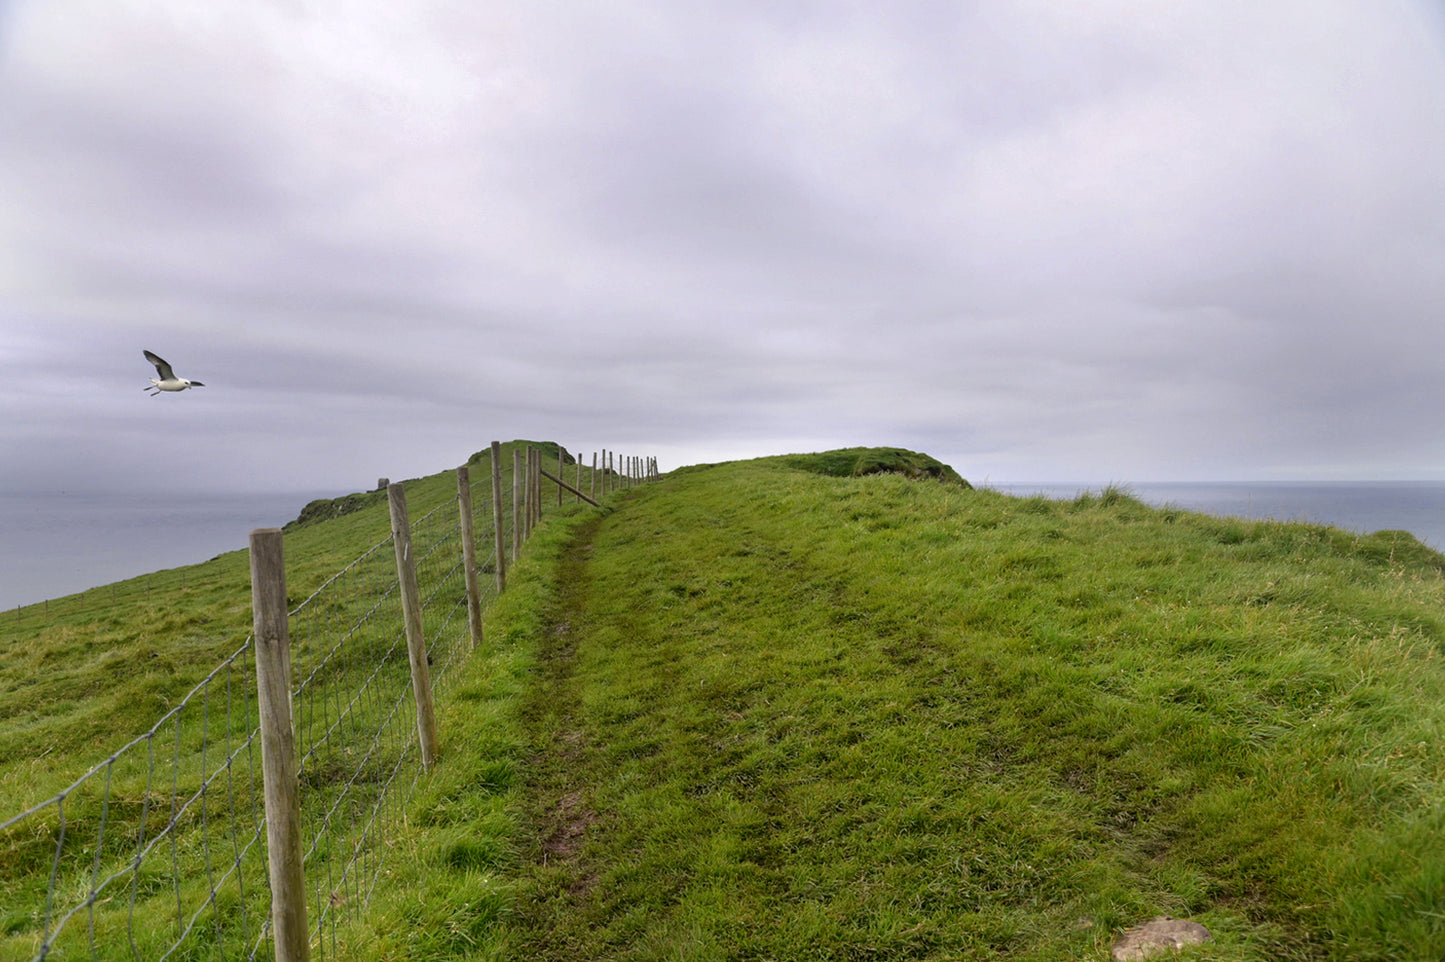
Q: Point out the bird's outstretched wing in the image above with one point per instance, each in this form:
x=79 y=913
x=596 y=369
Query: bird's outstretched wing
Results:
x=163 y=368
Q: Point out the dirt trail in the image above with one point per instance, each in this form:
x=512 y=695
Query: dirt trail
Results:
x=558 y=814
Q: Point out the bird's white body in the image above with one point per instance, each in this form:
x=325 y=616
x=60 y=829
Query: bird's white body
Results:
x=167 y=380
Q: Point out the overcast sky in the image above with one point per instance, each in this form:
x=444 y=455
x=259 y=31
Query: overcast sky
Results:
x=1097 y=241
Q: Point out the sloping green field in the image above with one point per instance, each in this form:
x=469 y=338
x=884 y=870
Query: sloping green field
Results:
x=810 y=708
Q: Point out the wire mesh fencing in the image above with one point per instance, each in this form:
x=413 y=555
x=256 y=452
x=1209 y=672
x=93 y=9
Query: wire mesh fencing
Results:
x=154 y=847
x=160 y=850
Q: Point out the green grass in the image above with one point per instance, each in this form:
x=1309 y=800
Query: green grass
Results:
x=859 y=462
x=794 y=709
x=108 y=664
x=805 y=717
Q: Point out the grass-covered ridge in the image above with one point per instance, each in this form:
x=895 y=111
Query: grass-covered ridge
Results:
x=800 y=716
x=777 y=709
x=859 y=462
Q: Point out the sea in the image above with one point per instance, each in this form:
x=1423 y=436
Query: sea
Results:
x=52 y=545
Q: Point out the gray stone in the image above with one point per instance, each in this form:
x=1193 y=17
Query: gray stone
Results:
x=1161 y=934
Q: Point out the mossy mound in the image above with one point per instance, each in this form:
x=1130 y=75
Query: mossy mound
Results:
x=324 y=509
x=1398 y=547
x=857 y=462
x=548 y=448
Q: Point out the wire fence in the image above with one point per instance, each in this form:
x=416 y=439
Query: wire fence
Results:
x=160 y=850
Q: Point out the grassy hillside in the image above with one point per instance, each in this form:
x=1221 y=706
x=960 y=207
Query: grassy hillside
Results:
x=784 y=715
x=107 y=664
x=845 y=707
x=99 y=671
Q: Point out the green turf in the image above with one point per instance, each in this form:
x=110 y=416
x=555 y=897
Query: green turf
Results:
x=794 y=709
x=794 y=716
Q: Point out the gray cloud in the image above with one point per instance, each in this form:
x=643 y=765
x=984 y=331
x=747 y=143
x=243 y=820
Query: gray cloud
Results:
x=1107 y=242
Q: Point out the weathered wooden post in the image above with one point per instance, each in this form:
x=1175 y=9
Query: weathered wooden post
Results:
x=426 y=722
x=498 y=520
x=534 y=505
x=559 y=473
x=469 y=556
x=516 y=504
x=531 y=490
x=534 y=488
x=278 y=746
x=529 y=500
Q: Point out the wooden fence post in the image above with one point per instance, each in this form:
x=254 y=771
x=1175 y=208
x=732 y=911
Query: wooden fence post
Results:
x=534 y=488
x=529 y=503
x=531 y=490
x=534 y=504
x=469 y=555
x=516 y=505
x=426 y=722
x=278 y=746
x=498 y=520
x=559 y=473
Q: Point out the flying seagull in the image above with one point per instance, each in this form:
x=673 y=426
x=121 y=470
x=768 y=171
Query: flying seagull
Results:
x=168 y=380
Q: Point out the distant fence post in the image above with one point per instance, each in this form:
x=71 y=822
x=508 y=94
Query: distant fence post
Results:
x=469 y=555
x=516 y=504
x=426 y=723
x=498 y=520
x=278 y=746
x=528 y=502
x=592 y=482
x=559 y=472
x=536 y=488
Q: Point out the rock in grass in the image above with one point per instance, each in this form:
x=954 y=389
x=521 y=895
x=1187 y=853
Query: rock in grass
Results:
x=1157 y=936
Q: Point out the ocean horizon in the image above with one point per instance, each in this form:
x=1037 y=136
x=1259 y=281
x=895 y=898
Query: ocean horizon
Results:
x=59 y=544
x=53 y=545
